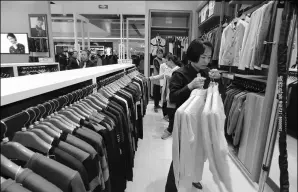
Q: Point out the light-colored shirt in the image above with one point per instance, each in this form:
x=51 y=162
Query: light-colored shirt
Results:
x=254 y=37
x=231 y=43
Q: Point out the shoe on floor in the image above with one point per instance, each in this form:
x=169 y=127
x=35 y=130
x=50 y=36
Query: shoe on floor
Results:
x=155 y=109
x=166 y=134
x=158 y=106
x=197 y=185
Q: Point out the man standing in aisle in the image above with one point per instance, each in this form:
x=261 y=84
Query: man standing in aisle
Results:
x=85 y=60
x=156 y=84
x=73 y=62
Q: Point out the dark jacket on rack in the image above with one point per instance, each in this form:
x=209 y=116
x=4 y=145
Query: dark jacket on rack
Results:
x=88 y=64
x=73 y=63
x=179 y=91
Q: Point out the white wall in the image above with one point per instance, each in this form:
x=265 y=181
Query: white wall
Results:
x=66 y=29
x=14 y=18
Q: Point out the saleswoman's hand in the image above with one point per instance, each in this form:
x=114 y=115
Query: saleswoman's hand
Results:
x=214 y=75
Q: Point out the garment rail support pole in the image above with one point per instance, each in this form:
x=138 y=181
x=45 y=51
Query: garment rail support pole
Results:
x=270 y=88
x=75 y=32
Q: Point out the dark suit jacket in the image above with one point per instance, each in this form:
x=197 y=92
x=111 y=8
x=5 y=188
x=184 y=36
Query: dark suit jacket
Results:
x=73 y=64
x=88 y=64
x=38 y=33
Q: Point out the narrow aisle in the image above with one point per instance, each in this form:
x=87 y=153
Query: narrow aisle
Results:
x=154 y=156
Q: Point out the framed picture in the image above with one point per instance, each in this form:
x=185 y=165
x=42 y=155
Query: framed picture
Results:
x=38 y=25
x=14 y=43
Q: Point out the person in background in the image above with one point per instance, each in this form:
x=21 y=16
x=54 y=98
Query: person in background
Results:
x=161 y=77
x=158 y=60
x=15 y=47
x=73 y=62
x=85 y=60
x=173 y=64
x=93 y=59
x=99 y=60
x=141 y=66
x=184 y=80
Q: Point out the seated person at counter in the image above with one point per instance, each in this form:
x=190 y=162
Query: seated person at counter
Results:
x=85 y=62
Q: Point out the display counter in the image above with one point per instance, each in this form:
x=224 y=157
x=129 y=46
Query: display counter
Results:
x=20 y=88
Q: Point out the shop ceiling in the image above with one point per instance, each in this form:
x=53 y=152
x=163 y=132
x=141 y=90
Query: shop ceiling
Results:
x=111 y=23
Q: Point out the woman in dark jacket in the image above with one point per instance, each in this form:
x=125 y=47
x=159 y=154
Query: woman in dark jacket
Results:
x=184 y=80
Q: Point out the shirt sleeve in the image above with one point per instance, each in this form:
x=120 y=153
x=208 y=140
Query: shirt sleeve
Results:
x=156 y=64
x=179 y=91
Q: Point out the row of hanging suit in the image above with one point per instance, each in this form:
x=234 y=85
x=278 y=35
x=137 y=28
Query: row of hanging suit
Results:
x=87 y=146
x=244 y=128
x=198 y=135
x=242 y=42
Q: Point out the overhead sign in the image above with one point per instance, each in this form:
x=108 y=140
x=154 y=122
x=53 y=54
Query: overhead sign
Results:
x=103 y=6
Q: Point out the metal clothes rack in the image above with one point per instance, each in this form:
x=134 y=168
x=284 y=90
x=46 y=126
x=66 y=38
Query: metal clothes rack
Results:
x=17 y=115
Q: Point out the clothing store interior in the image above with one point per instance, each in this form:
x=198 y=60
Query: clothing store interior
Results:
x=149 y=96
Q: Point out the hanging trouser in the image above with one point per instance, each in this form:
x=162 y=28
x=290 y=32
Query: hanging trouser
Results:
x=156 y=95
x=170 y=185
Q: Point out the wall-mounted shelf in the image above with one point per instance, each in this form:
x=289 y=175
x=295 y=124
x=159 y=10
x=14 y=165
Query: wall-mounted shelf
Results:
x=258 y=78
x=244 y=2
x=20 y=88
x=168 y=28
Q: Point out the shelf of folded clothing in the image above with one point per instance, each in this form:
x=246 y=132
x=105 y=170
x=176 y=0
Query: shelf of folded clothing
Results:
x=169 y=28
x=20 y=88
x=258 y=78
x=244 y=2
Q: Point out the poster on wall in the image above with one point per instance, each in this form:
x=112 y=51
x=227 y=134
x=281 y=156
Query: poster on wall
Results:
x=38 y=25
x=14 y=43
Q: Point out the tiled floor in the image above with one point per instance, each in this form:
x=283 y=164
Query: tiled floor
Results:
x=154 y=157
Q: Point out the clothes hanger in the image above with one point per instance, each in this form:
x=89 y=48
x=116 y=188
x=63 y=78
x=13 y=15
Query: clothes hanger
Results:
x=30 y=139
x=14 y=150
x=55 y=122
x=10 y=169
x=39 y=132
x=67 y=113
x=62 y=117
x=41 y=121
